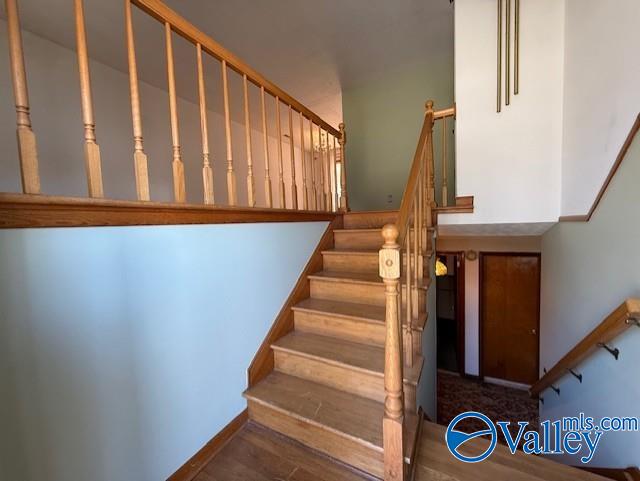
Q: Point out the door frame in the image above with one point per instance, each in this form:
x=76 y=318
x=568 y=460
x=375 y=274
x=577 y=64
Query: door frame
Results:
x=459 y=307
x=481 y=257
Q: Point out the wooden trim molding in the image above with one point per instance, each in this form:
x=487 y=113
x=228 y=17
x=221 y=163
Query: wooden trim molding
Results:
x=28 y=211
x=620 y=474
x=611 y=327
x=193 y=466
x=621 y=155
x=263 y=361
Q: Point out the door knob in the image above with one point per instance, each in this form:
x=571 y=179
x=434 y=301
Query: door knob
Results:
x=534 y=331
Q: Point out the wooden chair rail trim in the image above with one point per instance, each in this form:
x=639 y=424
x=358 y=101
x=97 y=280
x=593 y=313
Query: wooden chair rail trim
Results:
x=404 y=213
x=612 y=326
x=263 y=362
x=198 y=461
x=185 y=29
x=28 y=211
x=614 y=168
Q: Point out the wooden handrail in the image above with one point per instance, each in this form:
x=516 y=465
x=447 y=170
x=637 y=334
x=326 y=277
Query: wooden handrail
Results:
x=615 y=324
x=406 y=205
x=173 y=23
x=441 y=114
x=185 y=29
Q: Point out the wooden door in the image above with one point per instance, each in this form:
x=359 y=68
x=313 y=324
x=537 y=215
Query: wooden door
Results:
x=509 y=316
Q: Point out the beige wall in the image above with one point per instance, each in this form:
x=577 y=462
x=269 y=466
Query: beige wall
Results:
x=472 y=281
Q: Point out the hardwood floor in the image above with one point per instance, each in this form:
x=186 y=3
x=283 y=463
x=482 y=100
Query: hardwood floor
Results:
x=259 y=454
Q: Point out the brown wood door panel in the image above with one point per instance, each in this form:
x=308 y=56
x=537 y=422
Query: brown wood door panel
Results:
x=510 y=299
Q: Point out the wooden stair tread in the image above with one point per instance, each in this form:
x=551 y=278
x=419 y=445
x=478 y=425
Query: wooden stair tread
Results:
x=363 y=357
x=343 y=413
x=352 y=310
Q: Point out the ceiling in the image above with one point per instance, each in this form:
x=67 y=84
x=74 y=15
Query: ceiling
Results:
x=313 y=50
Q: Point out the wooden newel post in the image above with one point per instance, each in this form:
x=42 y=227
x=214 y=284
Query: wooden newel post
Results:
x=344 y=200
x=431 y=190
x=392 y=425
x=26 y=138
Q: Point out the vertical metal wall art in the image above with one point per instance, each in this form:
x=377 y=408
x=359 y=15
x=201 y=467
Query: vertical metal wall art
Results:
x=504 y=22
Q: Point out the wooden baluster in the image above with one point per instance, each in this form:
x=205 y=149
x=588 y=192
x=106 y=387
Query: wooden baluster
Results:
x=139 y=157
x=445 y=195
x=392 y=425
x=305 y=190
x=417 y=254
x=207 y=171
x=408 y=332
x=251 y=189
x=231 y=175
x=177 y=165
x=314 y=192
x=320 y=166
x=419 y=234
x=265 y=145
x=327 y=170
x=294 y=188
x=344 y=200
x=280 y=166
x=336 y=205
x=27 y=149
x=91 y=148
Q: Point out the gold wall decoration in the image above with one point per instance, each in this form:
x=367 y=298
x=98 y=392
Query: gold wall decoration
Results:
x=504 y=22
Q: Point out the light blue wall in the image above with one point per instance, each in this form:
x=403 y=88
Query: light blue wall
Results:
x=588 y=269
x=123 y=350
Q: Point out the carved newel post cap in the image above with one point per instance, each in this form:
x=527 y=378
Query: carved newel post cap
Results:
x=390 y=233
x=341 y=126
x=429 y=105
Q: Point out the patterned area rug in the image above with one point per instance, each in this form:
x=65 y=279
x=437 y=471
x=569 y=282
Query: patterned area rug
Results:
x=457 y=395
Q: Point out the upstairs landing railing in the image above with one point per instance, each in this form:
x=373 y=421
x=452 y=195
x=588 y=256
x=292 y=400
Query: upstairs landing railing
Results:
x=320 y=144
x=402 y=268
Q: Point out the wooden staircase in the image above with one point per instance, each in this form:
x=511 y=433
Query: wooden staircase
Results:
x=327 y=387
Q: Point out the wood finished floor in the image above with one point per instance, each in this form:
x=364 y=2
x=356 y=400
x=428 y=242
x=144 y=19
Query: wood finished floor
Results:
x=258 y=454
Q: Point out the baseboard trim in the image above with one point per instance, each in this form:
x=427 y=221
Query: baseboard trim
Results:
x=198 y=461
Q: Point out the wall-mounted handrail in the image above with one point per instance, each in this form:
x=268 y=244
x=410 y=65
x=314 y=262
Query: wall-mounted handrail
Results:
x=624 y=317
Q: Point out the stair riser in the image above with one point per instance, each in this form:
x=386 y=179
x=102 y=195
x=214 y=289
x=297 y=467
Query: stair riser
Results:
x=346 y=291
x=340 y=377
x=358 y=240
x=339 y=327
x=351 y=262
x=367 y=263
x=342 y=448
x=369 y=220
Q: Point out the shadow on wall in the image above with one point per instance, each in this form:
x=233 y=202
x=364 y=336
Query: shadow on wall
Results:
x=124 y=350
x=588 y=269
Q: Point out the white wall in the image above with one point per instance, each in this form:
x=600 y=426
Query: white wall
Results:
x=124 y=350
x=55 y=104
x=588 y=269
x=472 y=283
x=509 y=161
x=601 y=95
